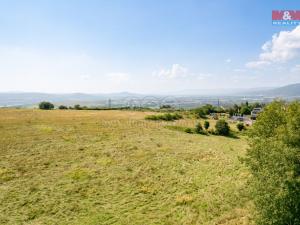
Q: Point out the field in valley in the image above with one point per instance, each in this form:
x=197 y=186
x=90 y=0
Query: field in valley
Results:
x=114 y=167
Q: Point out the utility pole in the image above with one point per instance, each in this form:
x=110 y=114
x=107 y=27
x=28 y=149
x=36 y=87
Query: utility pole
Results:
x=109 y=103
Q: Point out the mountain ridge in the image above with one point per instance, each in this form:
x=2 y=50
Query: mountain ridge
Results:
x=33 y=98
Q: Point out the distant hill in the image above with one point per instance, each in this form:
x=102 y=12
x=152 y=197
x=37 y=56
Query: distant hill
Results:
x=29 y=99
x=186 y=97
x=292 y=90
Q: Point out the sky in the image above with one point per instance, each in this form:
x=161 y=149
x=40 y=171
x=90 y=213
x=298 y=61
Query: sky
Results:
x=149 y=46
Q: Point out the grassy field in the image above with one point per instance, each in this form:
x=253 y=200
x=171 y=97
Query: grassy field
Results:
x=114 y=167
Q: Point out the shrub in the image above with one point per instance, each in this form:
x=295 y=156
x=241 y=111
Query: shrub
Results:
x=46 y=105
x=177 y=116
x=152 y=117
x=199 y=128
x=166 y=117
x=222 y=128
x=273 y=160
x=206 y=125
x=63 y=107
x=176 y=128
x=188 y=130
x=240 y=126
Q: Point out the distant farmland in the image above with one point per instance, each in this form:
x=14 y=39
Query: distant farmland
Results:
x=30 y=100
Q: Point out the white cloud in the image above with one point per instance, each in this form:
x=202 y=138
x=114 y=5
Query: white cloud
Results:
x=228 y=60
x=257 y=64
x=176 y=71
x=283 y=47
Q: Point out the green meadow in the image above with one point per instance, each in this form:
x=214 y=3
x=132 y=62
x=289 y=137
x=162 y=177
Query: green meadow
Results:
x=115 y=167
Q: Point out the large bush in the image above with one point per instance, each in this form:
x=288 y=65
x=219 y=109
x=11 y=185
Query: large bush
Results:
x=222 y=128
x=46 y=105
x=274 y=162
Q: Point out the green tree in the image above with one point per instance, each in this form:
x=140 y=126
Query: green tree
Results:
x=236 y=108
x=245 y=110
x=165 y=107
x=231 y=111
x=208 y=109
x=46 y=105
x=63 y=107
x=205 y=110
x=206 y=124
x=200 y=113
x=77 y=107
x=222 y=128
x=274 y=162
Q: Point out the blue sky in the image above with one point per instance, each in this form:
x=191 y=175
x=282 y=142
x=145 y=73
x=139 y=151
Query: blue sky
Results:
x=145 y=46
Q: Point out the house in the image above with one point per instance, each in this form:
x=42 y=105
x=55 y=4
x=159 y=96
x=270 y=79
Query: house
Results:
x=239 y=118
x=255 y=112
